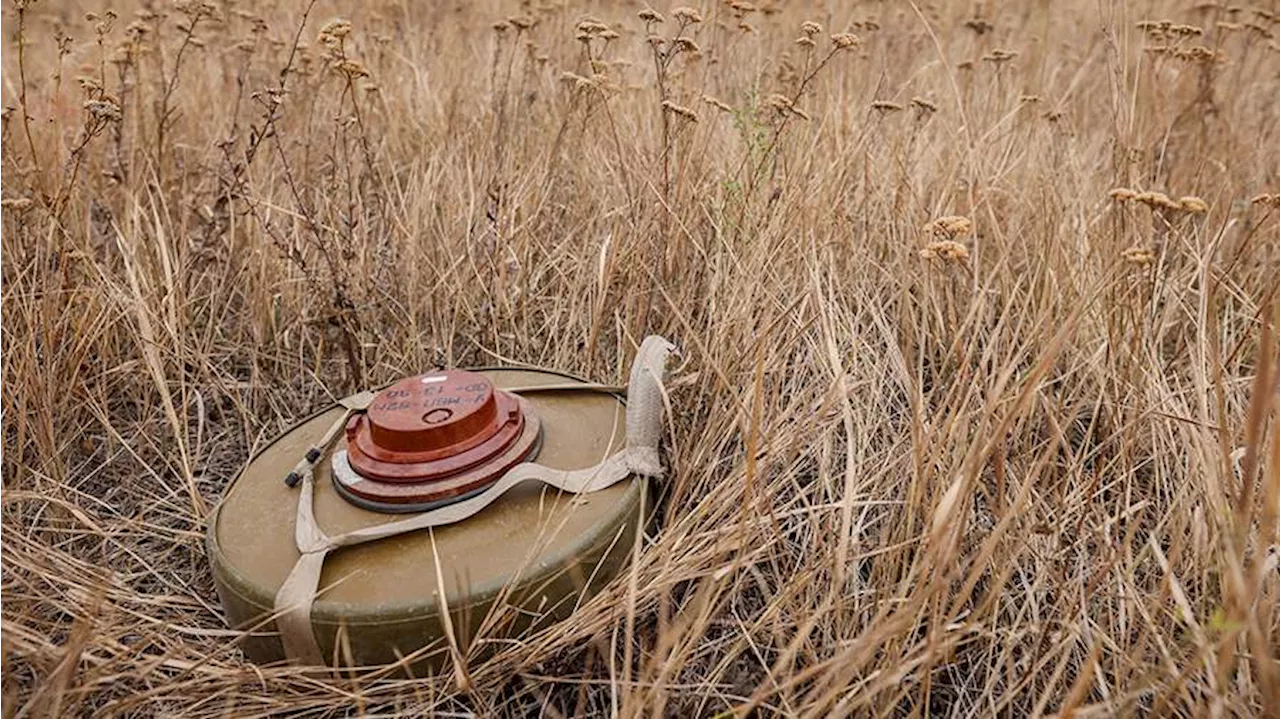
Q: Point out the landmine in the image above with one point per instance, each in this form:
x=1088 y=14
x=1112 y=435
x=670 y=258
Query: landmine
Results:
x=521 y=488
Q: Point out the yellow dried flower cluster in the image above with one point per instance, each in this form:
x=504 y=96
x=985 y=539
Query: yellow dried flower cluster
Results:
x=685 y=44
x=1140 y=256
x=679 y=110
x=1195 y=53
x=1156 y=200
x=687 y=15
x=783 y=106
x=335 y=29
x=1189 y=204
x=923 y=106
x=979 y=26
x=716 y=103
x=591 y=26
x=1193 y=205
x=1167 y=29
x=950 y=227
x=104 y=109
x=948 y=250
x=16 y=203
x=351 y=68
x=844 y=40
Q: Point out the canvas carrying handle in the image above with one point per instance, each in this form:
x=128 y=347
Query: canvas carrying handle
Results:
x=645 y=403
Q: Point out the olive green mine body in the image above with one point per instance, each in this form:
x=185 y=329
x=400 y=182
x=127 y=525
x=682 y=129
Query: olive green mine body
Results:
x=522 y=563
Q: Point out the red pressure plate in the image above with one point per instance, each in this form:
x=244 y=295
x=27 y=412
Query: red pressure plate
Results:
x=447 y=432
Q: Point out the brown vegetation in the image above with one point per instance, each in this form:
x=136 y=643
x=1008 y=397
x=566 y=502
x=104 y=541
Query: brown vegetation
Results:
x=976 y=408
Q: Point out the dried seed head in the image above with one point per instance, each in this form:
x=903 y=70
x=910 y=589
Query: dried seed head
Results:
x=999 y=56
x=1155 y=28
x=805 y=41
x=522 y=22
x=885 y=106
x=104 y=109
x=1266 y=200
x=686 y=15
x=1193 y=205
x=591 y=26
x=1156 y=200
x=16 y=203
x=679 y=110
x=718 y=104
x=1141 y=256
x=336 y=28
x=948 y=250
x=684 y=44
x=650 y=15
x=784 y=106
x=742 y=8
x=781 y=103
x=979 y=26
x=950 y=227
x=923 y=106
x=351 y=68
x=1122 y=194
x=844 y=40
x=500 y=27
x=810 y=28
x=1199 y=54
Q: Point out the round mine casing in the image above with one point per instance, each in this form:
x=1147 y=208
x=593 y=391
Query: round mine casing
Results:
x=544 y=551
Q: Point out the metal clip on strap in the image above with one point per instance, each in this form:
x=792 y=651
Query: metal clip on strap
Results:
x=294 y=600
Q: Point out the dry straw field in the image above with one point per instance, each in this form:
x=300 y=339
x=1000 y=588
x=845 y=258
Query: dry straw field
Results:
x=976 y=407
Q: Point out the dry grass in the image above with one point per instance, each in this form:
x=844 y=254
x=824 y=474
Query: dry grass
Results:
x=957 y=431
